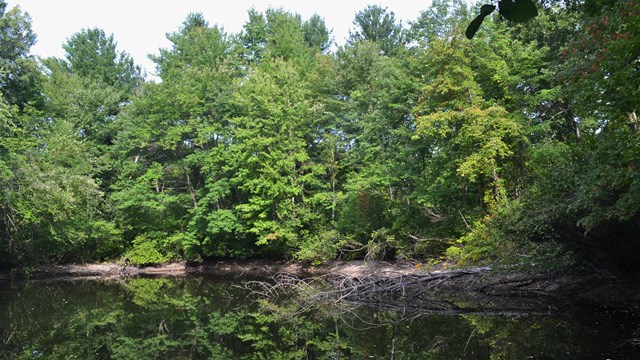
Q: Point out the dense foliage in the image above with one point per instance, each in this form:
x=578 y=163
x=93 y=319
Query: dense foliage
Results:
x=410 y=141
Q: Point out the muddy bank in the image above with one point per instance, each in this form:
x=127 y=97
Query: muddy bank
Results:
x=598 y=288
x=261 y=268
x=110 y=270
x=270 y=268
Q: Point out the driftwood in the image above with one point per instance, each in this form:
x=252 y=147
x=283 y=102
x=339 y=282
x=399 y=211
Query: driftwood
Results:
x=465 y=291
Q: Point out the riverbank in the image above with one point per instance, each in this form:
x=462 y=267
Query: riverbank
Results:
x=110 y=270
x=597 y=287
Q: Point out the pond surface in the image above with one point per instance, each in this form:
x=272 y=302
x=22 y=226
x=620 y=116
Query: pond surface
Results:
x=204 y=318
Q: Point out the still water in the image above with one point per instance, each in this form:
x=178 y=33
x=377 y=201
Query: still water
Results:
x=205 y=318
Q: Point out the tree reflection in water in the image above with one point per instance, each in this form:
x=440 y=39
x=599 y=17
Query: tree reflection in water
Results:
x=200 y=318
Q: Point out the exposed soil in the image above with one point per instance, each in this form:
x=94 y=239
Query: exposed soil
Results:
x=270 y=268
x=227 y=268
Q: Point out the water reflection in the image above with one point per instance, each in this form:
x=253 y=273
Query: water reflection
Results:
x=199 y=318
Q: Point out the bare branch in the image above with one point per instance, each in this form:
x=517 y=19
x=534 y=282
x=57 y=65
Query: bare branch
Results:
x=460 y=291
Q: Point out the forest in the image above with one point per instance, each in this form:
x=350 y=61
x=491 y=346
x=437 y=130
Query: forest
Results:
x=410 y=141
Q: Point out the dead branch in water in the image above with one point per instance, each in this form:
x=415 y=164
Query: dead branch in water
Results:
x=465 y=291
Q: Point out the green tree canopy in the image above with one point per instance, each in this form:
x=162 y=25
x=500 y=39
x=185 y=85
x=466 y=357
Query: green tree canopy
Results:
x=316 y=33
x=378 y=25
x=91 y=53
x=19 y=75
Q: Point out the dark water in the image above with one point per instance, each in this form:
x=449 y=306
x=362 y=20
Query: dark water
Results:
x=200 y=318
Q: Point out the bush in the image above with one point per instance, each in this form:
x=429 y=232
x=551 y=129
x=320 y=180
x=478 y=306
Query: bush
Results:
x=321 y=247
x=105 y=240
x=504 y=237
x=152 y=249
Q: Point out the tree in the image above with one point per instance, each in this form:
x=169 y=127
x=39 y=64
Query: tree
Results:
x=377 y=25
x=195 y=44
x=273 y=171
x=472 y=118
x=377 y=94
x=89 y=89
x=602 y=71
x=50 y=203
x=49 y=200
x=277 y=33
x=439 y=21
x=170 y=145
x=19 y=75
x=584 y=191
x=91 y=85
x=316 y=33
x=576 y=196
x=253 y=37
x=93 y=55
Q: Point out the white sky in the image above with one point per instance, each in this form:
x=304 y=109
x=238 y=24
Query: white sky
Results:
x=139 y=26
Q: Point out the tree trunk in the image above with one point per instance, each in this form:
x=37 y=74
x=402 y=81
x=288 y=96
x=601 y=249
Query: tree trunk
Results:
x=191 y=189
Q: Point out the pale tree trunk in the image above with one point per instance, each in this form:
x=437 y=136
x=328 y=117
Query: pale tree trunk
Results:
x=572 y=123
x=191 y=189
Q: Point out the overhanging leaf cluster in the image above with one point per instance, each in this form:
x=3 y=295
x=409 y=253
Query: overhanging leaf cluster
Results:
x=517 y=11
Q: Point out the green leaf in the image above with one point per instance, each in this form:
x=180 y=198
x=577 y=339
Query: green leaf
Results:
x=519 y=10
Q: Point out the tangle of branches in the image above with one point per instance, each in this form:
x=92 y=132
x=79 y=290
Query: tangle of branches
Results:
x=468 y=291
